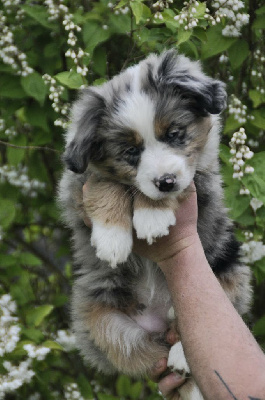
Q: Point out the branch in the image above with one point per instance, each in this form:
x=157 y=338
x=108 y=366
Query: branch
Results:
x=45 y=259
x=29 y=147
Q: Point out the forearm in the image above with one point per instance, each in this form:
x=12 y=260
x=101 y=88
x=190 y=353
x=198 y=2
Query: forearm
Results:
x=221 y=351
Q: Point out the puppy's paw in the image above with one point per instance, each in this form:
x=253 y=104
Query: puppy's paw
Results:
x=113 y=243
x=177 y=360
x=151 y=223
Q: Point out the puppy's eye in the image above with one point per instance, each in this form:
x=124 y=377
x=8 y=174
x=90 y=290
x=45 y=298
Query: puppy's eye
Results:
x=172 y=135
x=175 y=136
x=133 y=151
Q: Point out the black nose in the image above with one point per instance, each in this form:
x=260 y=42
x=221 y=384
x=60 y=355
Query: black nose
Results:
x=166 y=182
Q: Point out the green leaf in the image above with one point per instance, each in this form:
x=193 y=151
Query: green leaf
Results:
x=71 y=79
x=224 y=153
x=29 y=259
x=256 y=97
x=33 y=334
x=38 y=314
x=259 y=270
x=259 y=327
x=85 y=387
x=255 y=185
x=34 y=86
x=238 y=52
x=237 y=204
x=183 y=35
x=39 y=13
x=123 y=385
x=52 y=345
x=7 y=213
x=16 y=155
x=93 y=35
x=259 y=118
x=216 y=43
x=259 y=22
x=137 y=9
x=231 y=124
x=200 y=10
x=10 y=87
x=100 y=61
x=136 y=390
x=36 y=116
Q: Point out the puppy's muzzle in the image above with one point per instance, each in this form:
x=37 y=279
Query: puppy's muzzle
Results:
x=166 y=183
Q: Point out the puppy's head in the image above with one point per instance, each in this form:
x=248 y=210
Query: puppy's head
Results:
x=148 y=126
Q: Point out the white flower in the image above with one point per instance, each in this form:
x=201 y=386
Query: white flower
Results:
x=66 y=339
x=255 y=203
x=252 y=251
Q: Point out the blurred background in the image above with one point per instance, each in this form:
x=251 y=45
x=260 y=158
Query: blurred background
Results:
x=48 y=50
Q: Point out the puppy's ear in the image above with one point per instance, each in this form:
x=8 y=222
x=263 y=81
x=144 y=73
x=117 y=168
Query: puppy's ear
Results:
x=186 y=77
x=86 y=116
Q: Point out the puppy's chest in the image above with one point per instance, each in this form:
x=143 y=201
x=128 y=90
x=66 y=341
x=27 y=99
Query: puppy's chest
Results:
x=153 y=301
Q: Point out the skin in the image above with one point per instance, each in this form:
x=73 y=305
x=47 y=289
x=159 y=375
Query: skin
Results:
x=224 y=357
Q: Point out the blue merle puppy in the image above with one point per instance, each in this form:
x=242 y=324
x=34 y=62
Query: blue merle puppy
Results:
x=139 y=140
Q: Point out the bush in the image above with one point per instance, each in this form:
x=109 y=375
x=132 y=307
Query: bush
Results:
x=48 y=49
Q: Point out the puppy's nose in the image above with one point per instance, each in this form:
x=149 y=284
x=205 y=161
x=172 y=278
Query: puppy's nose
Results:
x=166 y=182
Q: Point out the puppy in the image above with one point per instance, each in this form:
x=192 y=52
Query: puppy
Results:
x=139 y=140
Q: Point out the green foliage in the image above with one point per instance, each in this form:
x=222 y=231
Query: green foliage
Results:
x=56 y=51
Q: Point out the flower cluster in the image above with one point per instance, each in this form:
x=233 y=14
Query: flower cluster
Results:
x=238 y=110
x=252 y=251
x=258 y=74
x=66 y=339
x=9 y=330
x=231 y=9
x=9 y=53
x=75 y=53
x=120 y=10
x=36 y=352
x=19 y=178
x=186 y=17
x=12 y=7
x=15 y=377
x=58 y=104
x=162 y=4
x=9 y=132
x=72 y=392
x=240 y=153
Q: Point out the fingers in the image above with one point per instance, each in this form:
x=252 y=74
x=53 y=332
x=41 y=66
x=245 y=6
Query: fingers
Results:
x=169 y=384
x=158 y=369
x=172 y=337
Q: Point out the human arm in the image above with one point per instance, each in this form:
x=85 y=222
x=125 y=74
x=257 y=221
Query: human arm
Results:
x=224 y=357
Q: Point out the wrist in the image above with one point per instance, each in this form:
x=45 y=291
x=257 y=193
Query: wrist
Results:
x=185 y=251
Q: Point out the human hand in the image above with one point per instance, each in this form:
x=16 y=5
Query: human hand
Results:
x=168 y=384
x=181 y=236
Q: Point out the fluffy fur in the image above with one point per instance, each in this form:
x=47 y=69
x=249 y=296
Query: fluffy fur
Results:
x=139 y=140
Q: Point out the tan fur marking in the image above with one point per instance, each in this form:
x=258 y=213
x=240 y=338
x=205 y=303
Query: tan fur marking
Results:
x=199 y=131
x=142 y=201
x=108 y=202
x=139 y=360
x=161 y=126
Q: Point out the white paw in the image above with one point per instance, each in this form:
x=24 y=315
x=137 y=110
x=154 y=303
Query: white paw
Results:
x=113 y=243
x=177 y=360
x=152 y=223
